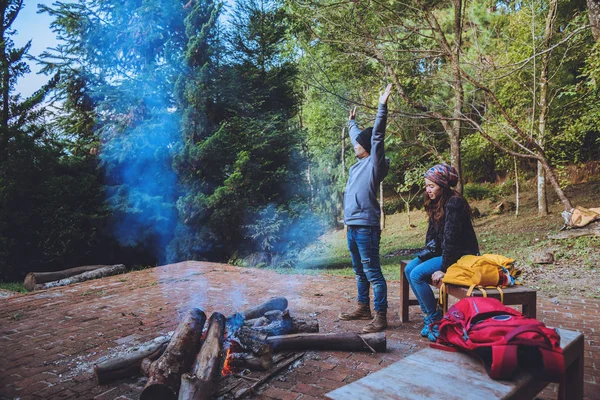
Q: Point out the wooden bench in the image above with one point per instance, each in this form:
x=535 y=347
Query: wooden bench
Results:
x=513 y=295
x=433 y=374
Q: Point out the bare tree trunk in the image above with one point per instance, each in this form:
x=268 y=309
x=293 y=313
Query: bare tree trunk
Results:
x=459 y=95
x=544 y=107
x=593 y=7
x=516 y=187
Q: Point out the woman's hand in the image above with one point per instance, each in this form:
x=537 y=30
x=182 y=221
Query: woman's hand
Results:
x=383 y=96
x=436 y=278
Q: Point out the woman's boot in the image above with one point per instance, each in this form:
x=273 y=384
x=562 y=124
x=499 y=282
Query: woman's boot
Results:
x=426 y=323
x=434 y=332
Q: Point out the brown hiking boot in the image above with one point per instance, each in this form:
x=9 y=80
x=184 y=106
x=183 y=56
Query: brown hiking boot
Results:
x=362 y=311
x=378 y=324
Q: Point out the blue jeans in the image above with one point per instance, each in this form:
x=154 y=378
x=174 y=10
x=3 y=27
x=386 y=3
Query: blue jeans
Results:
x=363 y=243
x=419 y=274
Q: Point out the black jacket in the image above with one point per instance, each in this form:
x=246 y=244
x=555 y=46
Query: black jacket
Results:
x=457 y=237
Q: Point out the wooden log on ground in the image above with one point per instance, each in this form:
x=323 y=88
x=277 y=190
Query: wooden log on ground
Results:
x=129 y=363
x=374 y=342
x=274 y=303
x=280 y=323
x=37 y=278
x=86 y=276
x=200 y=382
x=250 y=341
x=239 y=361
x=590 y=230
x=299 y=325
x=164 y=374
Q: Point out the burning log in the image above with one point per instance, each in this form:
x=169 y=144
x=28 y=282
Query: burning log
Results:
x=37 y=278
x=164 y=374
x=248 y=340
x=274 y=303
x=131 y=361
x=199 y=384
x=299 y=325
x=238 y=361
x=375 y=342
x=86 y=276
x=277 y=322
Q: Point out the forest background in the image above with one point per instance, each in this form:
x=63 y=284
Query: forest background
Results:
x=178 y=130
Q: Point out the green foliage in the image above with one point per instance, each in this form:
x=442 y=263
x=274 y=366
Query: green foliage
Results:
x=13 y=287
x=480 y=191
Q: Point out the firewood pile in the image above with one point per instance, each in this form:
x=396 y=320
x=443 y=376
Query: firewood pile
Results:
x=232 y=357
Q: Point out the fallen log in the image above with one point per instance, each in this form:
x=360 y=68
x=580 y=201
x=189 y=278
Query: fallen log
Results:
x=86 y=276
x=164 y=374
x=374 y=342
x=129 y=363
x=590 y=230
x=37 y=278
x=199 y=383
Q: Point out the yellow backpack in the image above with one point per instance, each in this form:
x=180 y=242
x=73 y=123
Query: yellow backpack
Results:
x=488 y=270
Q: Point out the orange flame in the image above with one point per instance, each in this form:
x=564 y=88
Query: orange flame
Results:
x=226 y=370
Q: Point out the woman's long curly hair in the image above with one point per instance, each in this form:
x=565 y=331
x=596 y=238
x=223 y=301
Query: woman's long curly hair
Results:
x=435 y=208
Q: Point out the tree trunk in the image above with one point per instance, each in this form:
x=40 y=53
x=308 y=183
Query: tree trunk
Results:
x=37 y=278
x=551 y=176
x=516 y=187
x=129 y=363
x=593 y=7
x=86 y=276
x=459 y=95
x=375 y=342
x=164 y=374
x=199 y=383
x=544 y=106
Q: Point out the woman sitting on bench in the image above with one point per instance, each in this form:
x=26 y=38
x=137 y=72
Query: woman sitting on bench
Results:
x=450 y=235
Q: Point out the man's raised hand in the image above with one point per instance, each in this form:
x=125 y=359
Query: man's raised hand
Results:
x=383 y=97
x=352 y=114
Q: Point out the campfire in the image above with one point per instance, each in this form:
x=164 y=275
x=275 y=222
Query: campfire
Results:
x=232 y=357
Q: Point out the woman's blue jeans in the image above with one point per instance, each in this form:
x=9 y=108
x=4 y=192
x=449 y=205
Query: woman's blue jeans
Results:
x=419 y=274
x=363 y=243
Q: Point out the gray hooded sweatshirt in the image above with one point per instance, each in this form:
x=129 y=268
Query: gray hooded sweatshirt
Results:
x=360 y=198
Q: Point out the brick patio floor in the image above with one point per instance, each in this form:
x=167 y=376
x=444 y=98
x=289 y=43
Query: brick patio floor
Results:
x=50 y=339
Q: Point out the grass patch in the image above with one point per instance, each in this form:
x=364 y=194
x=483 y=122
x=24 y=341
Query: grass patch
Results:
x=13 y=287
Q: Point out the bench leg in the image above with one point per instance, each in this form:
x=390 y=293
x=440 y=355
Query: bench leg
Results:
x=529 y=308
x=574 y=374
x=404 y=291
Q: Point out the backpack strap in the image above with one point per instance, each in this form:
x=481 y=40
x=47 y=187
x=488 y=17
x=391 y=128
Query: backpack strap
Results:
x=470 y=291
x=504 y=361
x=554 y=365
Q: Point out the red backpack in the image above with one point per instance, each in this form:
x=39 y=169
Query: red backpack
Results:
x=503 y=339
